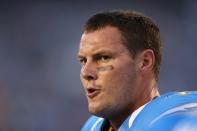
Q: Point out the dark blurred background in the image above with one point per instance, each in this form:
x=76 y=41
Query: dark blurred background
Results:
x=40 y=89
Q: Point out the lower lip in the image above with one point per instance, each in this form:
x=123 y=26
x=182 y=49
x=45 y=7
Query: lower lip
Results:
x=93 y=94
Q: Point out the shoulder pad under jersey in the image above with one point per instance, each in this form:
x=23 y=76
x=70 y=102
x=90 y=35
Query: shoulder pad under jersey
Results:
x=161 y=114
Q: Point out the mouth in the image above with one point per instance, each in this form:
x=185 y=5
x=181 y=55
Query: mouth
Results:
x=92 y=92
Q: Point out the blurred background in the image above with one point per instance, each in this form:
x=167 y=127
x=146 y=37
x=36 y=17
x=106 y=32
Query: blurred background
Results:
x=40 y=89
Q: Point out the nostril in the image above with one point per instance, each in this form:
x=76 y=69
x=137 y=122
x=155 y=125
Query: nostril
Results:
x=89 y=76
x=89 y=71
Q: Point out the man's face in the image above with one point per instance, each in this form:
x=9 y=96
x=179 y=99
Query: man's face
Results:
x=109 y=74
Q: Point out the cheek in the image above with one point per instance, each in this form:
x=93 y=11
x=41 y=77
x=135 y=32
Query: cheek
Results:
x=119 y=75
x=106 y=68
x=114 y=82
x=120 y=80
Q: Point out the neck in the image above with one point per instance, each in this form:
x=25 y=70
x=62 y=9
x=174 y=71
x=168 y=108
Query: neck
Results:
x=147 y=94
x=117 y=121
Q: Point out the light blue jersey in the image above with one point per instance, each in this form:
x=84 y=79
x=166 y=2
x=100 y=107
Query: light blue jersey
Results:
x=164 y=113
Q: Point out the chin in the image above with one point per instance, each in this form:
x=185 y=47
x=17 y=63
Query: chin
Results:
x=96 y=110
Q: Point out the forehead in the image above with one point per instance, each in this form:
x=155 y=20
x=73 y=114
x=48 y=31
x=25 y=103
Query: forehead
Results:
x=108 y=38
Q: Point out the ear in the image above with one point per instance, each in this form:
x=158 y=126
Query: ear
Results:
x=147 y=59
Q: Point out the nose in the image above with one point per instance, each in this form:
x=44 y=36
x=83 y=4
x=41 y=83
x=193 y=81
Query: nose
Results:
x=89 y=71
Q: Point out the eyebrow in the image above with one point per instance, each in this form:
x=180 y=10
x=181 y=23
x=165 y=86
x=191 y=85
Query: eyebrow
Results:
x=79 y=56
x=103 y=51
x=97 y=52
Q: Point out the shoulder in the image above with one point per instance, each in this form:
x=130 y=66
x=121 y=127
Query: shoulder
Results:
x=94 y=123
x=167 y=110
